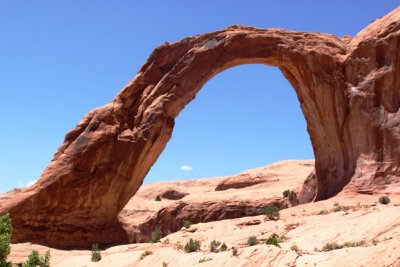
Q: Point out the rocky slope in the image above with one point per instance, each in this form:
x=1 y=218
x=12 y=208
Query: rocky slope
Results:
x=370 y=231
x=204 y=200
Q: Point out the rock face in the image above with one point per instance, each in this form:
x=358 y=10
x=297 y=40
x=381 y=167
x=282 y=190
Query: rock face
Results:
x=348 y=89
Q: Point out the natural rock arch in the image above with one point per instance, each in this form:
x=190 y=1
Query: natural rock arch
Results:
x=348 y=89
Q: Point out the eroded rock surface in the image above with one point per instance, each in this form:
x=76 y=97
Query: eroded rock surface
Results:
x=143 y=214
x=370 y=231
x=348 y=89
x=239 y=182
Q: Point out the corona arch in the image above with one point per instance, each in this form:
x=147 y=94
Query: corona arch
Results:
x=347 y=88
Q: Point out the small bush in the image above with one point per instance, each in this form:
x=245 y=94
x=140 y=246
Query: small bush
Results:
x=354 y=244
x=96 y=254
x=384 y=200
x=204 y=260
x=187 y=224
x=5 y=239
x=224 y=247
x=234 y=251
x=286 y=193
x=158 y=198
x=45 y=259
x=272 y=240
x=252 y=241
x=145 y=253
x=338 y=208
x=331 y=246
x=272 y=212
x=165 y=264
x=294 y=248
x=334 y=245
x=156 y=235
x=192 y=246
x=34 y=259
x=214 y=246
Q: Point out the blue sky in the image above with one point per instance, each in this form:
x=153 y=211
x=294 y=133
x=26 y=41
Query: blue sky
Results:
x=60 y=59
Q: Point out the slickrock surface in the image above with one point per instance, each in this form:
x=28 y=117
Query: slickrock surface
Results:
x=348 y=89
x=371 y=232
x=203 y=203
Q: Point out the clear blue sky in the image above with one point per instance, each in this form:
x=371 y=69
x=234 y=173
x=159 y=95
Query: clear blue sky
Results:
x=59 y=59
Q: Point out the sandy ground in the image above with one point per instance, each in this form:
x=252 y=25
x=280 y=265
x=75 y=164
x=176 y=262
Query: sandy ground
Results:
x=370 y=231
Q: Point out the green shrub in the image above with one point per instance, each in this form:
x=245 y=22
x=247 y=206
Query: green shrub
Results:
x=187 y=224
x=224 y=247
x=158 y=198
x=252 y=241
x=214 y=246
x=272 y=212
x=156 y=235
x=5 y=239
x=286 y=193
x=34 y=259
x=192 y=246
x=96 y=254
x=384 y=200
x=45 y=259
x=273 y=240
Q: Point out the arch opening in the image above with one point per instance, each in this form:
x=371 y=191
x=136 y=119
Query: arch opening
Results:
x=244 y=117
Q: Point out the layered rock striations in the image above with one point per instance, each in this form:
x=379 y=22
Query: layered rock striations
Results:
x=348 y=89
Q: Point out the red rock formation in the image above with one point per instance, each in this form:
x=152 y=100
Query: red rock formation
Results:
x=239 y=182
x=170 y=219
x=173 y=194
x=348 y=90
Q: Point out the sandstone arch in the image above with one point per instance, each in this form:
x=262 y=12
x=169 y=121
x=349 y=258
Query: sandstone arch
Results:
x=348 y=89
